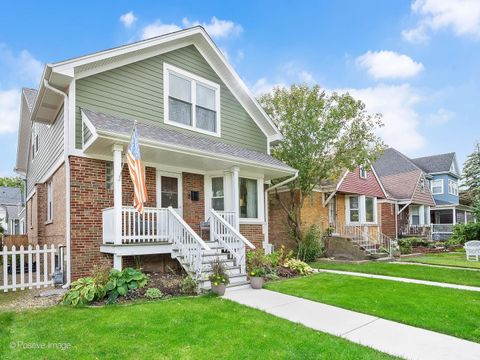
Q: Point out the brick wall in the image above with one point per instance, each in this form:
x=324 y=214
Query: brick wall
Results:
x=254 y=233
x=32 y=220
x=278 y=230
x=127 y=187
x=387 y=219
x=193 y=211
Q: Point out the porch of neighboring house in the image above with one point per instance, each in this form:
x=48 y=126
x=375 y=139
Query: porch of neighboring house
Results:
x=445 y=217
x=414 y=220
x=201 y=207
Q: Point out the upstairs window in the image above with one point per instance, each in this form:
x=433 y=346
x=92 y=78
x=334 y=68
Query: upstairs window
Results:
x=363 y=172
x=452 y=187
x=191 y=102
x=437 y=186
x=422 y=184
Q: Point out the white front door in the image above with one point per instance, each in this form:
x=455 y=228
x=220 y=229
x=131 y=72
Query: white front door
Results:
x=169 y=191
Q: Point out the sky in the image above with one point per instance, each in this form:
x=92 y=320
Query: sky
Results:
x=414 y=61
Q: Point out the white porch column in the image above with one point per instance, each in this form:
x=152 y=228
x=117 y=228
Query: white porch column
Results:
x=236 y=195
x=117 y=196
x=454 y=216
x=421 y=213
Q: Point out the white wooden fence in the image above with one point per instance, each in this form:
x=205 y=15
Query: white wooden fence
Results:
x=33 y=267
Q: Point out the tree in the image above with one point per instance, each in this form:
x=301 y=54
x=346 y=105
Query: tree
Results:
x=323 y=135
x=471 y=174
x=12 y=182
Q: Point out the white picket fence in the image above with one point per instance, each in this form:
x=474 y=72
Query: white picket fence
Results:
x=35 y=267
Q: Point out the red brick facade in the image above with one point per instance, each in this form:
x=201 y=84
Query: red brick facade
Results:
x=387 y=219
x=254 y=233
x=193 y=211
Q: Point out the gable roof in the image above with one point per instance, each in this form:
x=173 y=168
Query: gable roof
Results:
x=108 y=125
x=435 y=163
x=10 y=195
x=60 y=74
x=394 y=162
x=30 y=96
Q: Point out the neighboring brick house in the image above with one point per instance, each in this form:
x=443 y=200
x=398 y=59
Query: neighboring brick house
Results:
x=341 y=208
x=204 y=140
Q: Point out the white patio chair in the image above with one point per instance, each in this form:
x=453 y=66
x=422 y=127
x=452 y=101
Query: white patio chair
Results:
x=472 y=249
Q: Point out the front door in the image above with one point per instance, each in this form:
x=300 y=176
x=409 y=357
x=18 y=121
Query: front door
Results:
x=169 y=191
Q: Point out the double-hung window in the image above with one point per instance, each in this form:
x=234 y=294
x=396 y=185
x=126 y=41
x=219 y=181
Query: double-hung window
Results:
x=354 y=209
x=191 y=102
x=437 y=186
x=361 y=209
x=218 y=196
x=49 y=201
x=363 y=172
x=452 y=187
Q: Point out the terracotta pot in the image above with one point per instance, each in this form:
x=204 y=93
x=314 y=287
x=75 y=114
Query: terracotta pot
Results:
x=219 y=289
x=256 y=282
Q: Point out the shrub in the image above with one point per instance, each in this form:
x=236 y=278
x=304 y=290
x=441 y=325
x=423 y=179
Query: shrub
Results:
x=278 y=258
x=311 y=247
x=258 y=264
x=466 y=232
x=406 y=245
x=84 y=291
x=189 y=286
x=452 y=243
x=153 y=293
x=299 y=266
x=120 y=282
x=219 y=274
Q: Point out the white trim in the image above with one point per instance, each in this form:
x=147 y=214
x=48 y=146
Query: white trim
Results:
x=362 y=213
x=260 y=201
x=179 y=177
x=362 y=169
x=51 y=170
x=431 y=185
x=49 y=201
x=450 y=181
x=194 y=80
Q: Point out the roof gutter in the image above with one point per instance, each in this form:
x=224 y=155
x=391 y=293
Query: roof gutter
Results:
x=266 y=245
x=66 y=123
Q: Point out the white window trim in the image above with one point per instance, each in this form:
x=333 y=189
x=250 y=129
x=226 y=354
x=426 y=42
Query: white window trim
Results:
x=260 y=203
x=363 y=170
x=451 y=187
x=49 y=201
x=167 y=68
x=432 y=186
x=361 y=210
x=159 y=188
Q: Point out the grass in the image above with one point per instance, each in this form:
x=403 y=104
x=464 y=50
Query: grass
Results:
x=453 y=276
x=180 y=328
x=449 y=259
x=452 y=312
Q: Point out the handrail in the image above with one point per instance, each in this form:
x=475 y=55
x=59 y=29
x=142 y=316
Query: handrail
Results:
x=231 y=228
x=188 y=228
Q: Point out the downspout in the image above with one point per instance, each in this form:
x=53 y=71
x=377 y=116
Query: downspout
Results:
x=266 y=245
x=66 y=123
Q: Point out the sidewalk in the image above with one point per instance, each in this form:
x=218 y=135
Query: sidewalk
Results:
x=383 y=335
x=400 y=279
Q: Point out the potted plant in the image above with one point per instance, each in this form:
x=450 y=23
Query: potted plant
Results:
x=218 y=278
x=256 y=277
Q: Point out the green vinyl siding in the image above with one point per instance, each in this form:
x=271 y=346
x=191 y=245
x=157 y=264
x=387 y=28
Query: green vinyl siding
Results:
x=135 y=91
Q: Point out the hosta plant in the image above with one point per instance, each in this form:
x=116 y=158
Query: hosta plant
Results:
x=299 y=266
x=84 y=291
x=153 y=293
x=120 y=282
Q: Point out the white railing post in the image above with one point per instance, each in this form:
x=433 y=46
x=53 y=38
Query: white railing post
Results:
x=236 y=195
x=117 y=191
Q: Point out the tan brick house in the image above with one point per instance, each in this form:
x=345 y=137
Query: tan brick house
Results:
x=204 y=140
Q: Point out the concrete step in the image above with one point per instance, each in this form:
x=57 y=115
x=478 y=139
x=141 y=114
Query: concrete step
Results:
x=240 y=279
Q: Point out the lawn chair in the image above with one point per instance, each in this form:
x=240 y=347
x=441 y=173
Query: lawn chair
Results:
x=472 y=249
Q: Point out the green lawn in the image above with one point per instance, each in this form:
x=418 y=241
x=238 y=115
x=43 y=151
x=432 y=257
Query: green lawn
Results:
x=180 y=328
x=453 y=276
x=449 y=259
x=453 y=312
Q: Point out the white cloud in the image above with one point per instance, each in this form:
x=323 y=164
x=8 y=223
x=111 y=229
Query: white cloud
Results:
x=389 y=64
x=461 y=16
x=9 y=110
x=216 y=28
x=157 y=29
x=128 y=19
x=263 y=86
x=442 y=116
x=397 y=105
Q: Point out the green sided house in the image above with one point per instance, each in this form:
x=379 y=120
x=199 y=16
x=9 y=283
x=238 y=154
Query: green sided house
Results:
x=204 y=140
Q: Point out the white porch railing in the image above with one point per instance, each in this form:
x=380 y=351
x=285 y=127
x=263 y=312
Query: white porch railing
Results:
x=442 y=228
x=189 y=245
x=230 y=238
x=370 y=238
x=27 y=267
x=416 y=230
x=229 y=217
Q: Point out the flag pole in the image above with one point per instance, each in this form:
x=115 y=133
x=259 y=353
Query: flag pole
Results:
x=129 y=141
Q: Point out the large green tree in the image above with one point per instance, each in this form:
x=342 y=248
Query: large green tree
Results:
x=471 y=179
x=323 y=135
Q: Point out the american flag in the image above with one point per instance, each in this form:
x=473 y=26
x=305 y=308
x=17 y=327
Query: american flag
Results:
x=136 y=172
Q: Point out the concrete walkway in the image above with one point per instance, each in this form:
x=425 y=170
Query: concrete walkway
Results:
x=387 y=336
x=400 y=279
x=433 y=265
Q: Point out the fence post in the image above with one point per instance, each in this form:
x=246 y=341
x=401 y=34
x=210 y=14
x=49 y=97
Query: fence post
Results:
x=30 y=272
x=14 y=268
x=5 y=269
x=22 y=267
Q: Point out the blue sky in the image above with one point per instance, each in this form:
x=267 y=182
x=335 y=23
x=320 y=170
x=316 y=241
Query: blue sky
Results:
x=414 y=61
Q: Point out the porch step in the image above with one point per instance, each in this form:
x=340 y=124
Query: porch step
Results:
x=235 y=280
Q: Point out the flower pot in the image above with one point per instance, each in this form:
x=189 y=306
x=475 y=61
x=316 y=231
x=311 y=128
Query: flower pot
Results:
x=256 y=282
x=219 y=289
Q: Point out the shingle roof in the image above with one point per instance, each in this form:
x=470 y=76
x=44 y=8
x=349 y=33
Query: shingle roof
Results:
x=30 y=96
x=116 y=125
x=10 y=195
x=443 y=202
x=13 y=211
x=435 y=163
x=393 y=162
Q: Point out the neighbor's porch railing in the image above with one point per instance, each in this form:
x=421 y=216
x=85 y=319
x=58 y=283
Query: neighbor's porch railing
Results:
x=442 y=228
x=416 y=230
x=230 y=238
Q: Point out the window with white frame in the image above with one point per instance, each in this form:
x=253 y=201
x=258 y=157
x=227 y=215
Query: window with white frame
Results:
x=415 y=215
x=452 y=187
x=218 y=195
x=191 y=102
x=248 y=191
x=49 y=201
x=363 y=172
x=437 y=186
x=422 y=184
x=361 y=209
x=109 y=175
